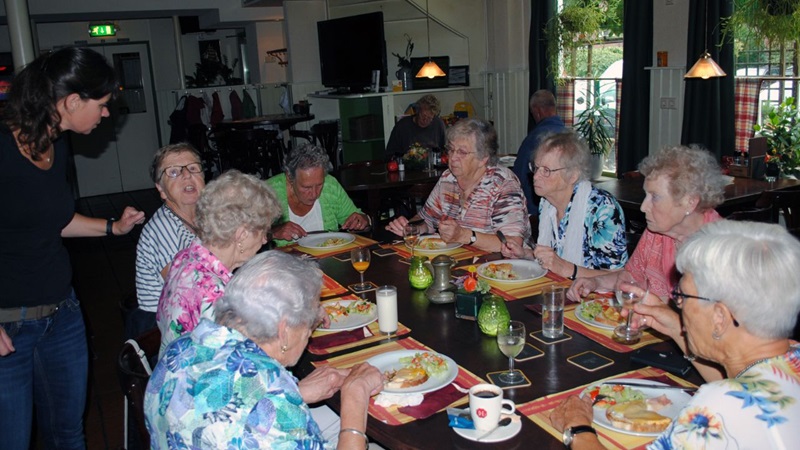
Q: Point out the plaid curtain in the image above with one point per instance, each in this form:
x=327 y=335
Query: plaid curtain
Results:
x=746 y=109
x=565 y=100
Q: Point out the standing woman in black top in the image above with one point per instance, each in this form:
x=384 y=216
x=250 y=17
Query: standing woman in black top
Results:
x=43 y=353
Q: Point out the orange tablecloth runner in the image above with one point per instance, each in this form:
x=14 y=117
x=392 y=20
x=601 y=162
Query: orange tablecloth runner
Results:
x=459 y=254
x=391 y=415
x=360 y=241
x=517 y=291
x=604 y=337
x=331 y=287
x=539 y=410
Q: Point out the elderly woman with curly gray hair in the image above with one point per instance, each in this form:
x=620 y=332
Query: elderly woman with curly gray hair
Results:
x=310 y=198
x=735 y=308
x=234 y=215
x=682 y=187
x=225 y=384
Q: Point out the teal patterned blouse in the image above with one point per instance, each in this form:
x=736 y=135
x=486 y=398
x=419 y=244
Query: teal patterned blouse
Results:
x=215 y=389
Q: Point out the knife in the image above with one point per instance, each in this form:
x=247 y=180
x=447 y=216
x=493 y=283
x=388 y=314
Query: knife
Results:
x=501 y=236
x=649 y=386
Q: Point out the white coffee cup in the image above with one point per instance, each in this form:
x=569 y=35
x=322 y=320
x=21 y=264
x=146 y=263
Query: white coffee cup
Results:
x=486 y=404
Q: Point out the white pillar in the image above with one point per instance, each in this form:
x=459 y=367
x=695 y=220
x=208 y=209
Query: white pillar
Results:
x=19 y=29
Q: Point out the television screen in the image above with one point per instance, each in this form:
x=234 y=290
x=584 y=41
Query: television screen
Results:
x=350 y=48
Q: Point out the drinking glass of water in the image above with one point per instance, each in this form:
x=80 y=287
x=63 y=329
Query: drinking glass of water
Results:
x=629 y=291
x=511 y=339
x=553 y=312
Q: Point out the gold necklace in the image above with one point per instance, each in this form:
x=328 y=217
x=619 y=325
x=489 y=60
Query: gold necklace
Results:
x=751 y=365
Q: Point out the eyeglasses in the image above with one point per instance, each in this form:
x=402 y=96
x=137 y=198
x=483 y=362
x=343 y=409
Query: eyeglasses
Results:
x=176 y=171
x=546 y=171
x=452 y=151
x=679 y=297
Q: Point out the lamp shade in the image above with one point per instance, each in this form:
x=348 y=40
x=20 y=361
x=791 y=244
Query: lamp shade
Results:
x=705 y=68
x=430 y=70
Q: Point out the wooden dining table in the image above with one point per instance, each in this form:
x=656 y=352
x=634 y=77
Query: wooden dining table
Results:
x=436 y=326
x=283 y=121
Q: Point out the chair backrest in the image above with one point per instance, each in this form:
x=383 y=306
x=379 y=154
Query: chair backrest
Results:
x=787 y=203
x=133 y=367
x=753 y=214
x=251 y=150
x=326 y=135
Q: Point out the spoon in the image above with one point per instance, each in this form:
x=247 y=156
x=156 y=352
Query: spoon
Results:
x=501 y=423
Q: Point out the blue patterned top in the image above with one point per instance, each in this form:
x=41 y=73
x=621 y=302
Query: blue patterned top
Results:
x=216 y=389
x=606 y=245
x=760 y=409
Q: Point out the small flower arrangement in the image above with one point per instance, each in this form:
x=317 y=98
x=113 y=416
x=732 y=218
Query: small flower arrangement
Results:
x=783 y=136
x=405 y=61
x=416 y=157
x=470 y=283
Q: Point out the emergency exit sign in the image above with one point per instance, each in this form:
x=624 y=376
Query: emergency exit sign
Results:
x=102 y=30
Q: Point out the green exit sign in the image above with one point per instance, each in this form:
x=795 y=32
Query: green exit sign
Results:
x=102 y=30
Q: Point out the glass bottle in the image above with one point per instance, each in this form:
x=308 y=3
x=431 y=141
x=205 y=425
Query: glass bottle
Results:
x=419 y=275
x=493 y=314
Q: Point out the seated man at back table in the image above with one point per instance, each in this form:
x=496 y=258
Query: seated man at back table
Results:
x=311 y=199
x=424 y=127
x=543 y=110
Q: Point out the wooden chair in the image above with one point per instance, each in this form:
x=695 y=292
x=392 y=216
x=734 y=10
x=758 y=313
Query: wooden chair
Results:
x=134 y=368
x=250 y=150
x=326 y=135
x=753 y=215
x=786 y=204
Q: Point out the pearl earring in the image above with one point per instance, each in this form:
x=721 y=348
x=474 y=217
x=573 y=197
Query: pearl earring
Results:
x=283 y=348
x=241 y=250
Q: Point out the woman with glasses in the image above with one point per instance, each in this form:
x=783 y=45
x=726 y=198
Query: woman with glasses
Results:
x=738 y=301
x=234 y=215
x=178 y=175
x=425 y=128
x=581 y=228
x=474 y=198
x=682 y=187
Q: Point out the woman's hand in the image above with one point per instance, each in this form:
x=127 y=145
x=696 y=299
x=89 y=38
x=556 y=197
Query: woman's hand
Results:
x=397 y=225
x=130 y=218
x=582 y=287
x=363 y=379
x=571 y=412
x=513 y=249
x=288 y=231
x=6 y=346
x=356 y=221
x=660 y=316
x=322 y=383
x=549 y=260
x=451 y=231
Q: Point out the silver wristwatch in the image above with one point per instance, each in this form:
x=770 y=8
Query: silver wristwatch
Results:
x=570 y=432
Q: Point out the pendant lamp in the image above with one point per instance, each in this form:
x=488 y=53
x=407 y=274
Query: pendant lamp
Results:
x=430 y=69
x=705 y=67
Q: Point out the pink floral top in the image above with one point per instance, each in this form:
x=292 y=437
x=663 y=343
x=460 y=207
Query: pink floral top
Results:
x=196 y=279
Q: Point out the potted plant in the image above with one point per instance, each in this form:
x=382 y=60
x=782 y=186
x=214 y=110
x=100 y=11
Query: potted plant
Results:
x=595 y=126
x=781 y=129
x=404 y=63
x=579 y=23
x=777 y=21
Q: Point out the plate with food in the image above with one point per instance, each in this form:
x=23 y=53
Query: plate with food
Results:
x=414 y=371
x=639 y=411
x=511 y=270
x=599 y=313
x=325 y=241
x=349 y=314
x=432 y=243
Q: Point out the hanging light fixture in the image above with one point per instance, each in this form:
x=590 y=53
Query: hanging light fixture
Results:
x=430 y=69
x=705 y=67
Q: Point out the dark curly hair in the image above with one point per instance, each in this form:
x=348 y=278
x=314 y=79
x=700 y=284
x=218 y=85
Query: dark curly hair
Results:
x=35 y=91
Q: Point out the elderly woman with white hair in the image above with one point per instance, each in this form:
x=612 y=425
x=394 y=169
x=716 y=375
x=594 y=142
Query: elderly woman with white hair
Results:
x=738 y=301
x=581 y=227
x=225 y=384
x=234 y=215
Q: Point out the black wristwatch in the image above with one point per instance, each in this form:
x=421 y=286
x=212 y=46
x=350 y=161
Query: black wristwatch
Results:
x=570 y=432
x=473 y=238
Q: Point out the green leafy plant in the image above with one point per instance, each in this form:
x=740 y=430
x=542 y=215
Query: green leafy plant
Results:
x=405 y=61
x=209 y=73
x=777 y=21
x=782 y=131
x=594 y=124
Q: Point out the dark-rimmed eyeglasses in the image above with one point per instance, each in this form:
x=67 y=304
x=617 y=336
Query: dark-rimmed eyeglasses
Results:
x=176 y=171
x=546 y=171
x=678 y=297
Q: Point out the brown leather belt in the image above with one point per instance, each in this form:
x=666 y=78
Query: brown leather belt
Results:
x=27 y=313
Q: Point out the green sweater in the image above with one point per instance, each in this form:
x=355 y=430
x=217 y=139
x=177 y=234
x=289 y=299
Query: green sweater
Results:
x=334 y=202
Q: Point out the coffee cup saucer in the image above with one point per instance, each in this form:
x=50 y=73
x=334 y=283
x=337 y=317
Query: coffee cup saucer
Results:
x=498 y=435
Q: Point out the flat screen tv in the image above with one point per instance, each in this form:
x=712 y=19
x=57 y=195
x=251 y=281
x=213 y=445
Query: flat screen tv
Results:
x=350 y=48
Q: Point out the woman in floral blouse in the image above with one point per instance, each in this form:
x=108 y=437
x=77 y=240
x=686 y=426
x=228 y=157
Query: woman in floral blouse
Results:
x=581 y=228
x=234 y=214
x=225 y=385
x=738 y=302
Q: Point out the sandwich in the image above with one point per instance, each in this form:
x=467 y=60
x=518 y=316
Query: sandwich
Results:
x=635 y=416
x=405 y=378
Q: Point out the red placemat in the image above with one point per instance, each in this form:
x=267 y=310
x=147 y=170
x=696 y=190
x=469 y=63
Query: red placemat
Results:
x=604 y=337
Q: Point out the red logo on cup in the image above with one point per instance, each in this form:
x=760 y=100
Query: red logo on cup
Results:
x=481 y=413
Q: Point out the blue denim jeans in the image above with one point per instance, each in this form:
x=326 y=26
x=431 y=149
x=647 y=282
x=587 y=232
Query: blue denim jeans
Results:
x=49 y=369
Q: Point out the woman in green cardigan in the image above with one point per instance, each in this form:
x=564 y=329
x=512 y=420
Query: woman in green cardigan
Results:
x=311 y=199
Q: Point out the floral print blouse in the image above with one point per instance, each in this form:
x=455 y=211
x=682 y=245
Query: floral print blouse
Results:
x=215 y=389
x=194 y=282
x=759 y=409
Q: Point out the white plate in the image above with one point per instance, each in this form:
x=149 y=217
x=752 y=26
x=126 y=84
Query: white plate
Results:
x=315 y=241
x=391 y=361
x=526 y=270
x=444 y=248
x=591 y=322
x=352 y=321
x=500 y=434
x=679 y=400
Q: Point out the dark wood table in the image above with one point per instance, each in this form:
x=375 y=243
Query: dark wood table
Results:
x=375 y=180
x=283 y=121
x=437 y=327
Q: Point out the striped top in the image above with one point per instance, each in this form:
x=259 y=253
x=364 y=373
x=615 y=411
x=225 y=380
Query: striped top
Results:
x=162 y=238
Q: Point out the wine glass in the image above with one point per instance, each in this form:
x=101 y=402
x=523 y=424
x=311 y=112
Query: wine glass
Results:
x=629 y=292
x=360 y=257
x=410 y=238
x=511 y=339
